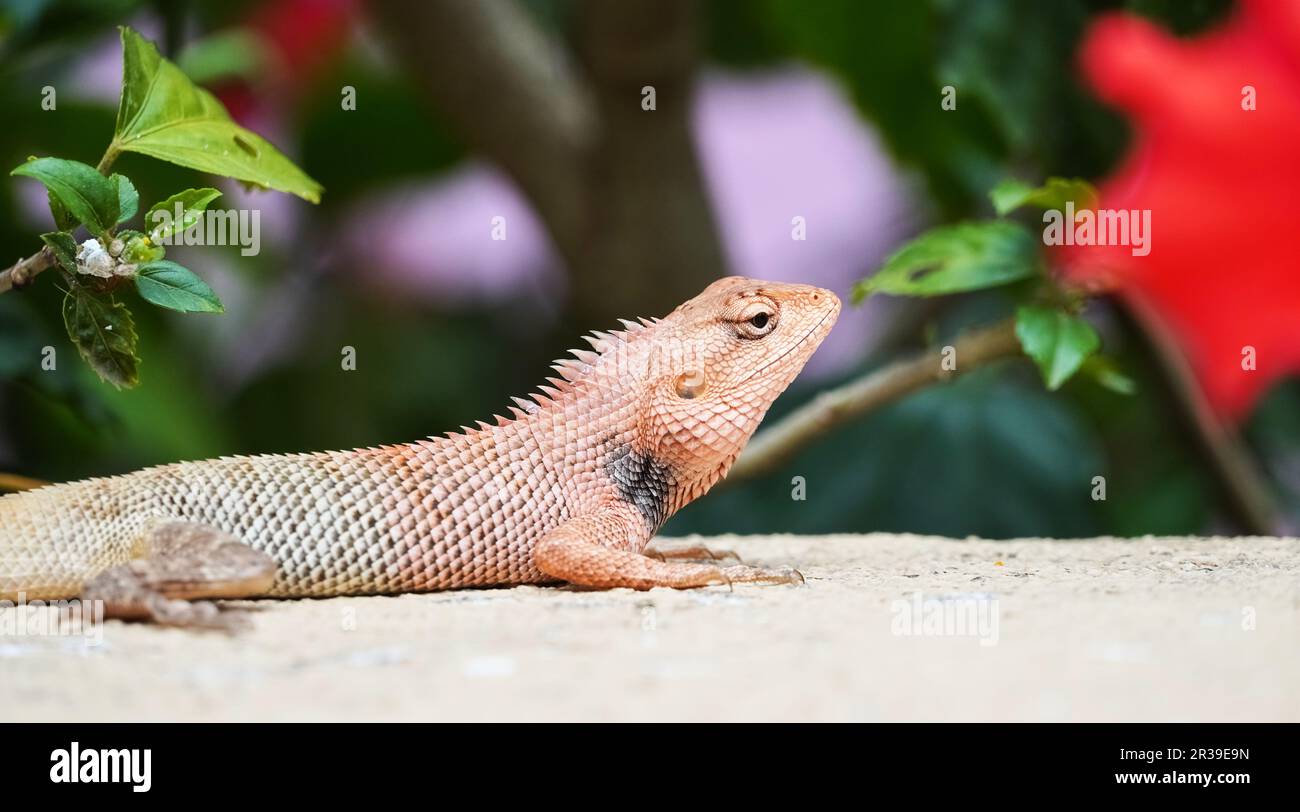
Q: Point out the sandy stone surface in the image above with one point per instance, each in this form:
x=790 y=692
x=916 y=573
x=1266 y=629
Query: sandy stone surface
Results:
x=1100 y=629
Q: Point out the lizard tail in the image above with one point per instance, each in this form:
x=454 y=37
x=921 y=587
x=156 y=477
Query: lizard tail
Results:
x=54 y=539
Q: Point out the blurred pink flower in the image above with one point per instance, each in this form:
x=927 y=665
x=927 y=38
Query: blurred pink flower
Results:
x=435 y=240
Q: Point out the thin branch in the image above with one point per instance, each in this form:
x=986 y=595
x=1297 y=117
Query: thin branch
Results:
x=778 y=444
x=1250 y=497
x=24 y=270
x=13 y=483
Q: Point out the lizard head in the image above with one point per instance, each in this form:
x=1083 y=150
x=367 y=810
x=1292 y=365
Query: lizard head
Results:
x=731 y=351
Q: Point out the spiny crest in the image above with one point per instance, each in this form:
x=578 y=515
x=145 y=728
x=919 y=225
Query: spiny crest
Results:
x=571 y=373
x=526 y=405
x=583 y=361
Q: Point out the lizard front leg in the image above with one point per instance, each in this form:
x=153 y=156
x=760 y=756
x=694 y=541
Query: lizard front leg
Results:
x=598 y=551
x=182 y=562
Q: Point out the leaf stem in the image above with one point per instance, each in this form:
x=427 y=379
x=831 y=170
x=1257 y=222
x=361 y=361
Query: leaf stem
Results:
x=110 y=155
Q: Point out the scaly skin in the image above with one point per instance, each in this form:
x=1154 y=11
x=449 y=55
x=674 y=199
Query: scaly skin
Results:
x=570 y=488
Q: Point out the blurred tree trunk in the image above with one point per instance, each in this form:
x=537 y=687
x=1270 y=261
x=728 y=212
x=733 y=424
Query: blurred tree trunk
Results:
x=618 y=186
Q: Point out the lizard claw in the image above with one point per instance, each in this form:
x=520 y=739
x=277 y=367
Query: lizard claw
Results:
x=717 y=576
x=758 y=575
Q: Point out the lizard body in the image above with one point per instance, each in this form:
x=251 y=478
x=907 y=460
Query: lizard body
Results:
x=571 y=487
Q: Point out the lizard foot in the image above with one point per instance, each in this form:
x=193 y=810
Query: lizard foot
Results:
x=575 y=552
x=183 y=564
x=758 y=575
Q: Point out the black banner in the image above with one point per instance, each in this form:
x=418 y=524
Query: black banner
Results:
x=224 y=763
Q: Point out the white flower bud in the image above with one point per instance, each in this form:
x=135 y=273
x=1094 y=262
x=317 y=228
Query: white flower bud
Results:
x=93 y=260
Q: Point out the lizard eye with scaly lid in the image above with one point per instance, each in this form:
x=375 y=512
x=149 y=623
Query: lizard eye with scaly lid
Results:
x=755 y=318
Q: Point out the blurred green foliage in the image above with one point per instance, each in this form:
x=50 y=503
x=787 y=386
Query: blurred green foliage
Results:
x=989 y=454
x=1018 y=102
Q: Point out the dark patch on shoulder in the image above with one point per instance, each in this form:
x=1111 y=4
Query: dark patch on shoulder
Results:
x=642 y=481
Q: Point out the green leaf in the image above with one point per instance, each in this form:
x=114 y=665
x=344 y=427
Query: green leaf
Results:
x=952 y=259
x=103 y=332
x=89 y=196
x=63 y=219
x=1011 y=194
x=64 y=248
x=1057 y=341
x=166 y=116
x=128 y=199
x=1107 y=375
x=192 y=203
x=169 y=285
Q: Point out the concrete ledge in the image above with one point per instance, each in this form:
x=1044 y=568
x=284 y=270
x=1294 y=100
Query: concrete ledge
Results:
x=1096 y=629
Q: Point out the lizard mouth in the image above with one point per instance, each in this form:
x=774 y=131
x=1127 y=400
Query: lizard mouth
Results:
x=804 y=340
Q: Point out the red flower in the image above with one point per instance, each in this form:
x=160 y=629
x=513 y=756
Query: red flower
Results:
x=301 y=36
x=305 y=34
x=1222 y=182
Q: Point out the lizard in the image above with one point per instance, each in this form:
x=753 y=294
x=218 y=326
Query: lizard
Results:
x=570 y=487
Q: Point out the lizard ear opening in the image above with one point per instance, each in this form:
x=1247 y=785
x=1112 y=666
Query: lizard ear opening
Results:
x=689 y=384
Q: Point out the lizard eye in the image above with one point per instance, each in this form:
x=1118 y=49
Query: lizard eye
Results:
x=756 y=321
